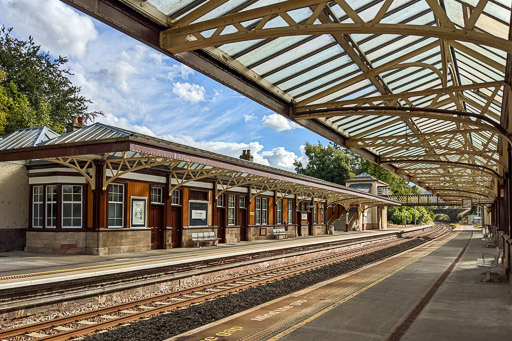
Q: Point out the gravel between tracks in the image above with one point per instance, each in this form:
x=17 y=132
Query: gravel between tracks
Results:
x=177 y=322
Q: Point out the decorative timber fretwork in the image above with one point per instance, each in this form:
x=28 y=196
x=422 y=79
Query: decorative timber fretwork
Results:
x=189 y=174
x=123 y=165
x=227 y=183
x=84 y=166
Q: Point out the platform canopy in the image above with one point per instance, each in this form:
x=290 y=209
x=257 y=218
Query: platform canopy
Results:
x=103 y=153
x=419 y=87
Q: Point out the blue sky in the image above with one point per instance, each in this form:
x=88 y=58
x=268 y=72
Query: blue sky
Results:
x=142 y=90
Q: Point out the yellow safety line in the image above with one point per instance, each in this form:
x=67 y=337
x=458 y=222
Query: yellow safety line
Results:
x=346 y=298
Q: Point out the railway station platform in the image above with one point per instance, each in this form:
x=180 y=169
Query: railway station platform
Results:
x=432 y=292
x=22 y=269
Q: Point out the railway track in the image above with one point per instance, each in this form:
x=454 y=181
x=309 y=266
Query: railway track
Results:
x=104 y=318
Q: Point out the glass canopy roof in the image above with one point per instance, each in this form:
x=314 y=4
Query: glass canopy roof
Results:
x=416 y=86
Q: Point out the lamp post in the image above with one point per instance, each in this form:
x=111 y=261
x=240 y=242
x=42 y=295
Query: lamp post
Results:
x=405 y=218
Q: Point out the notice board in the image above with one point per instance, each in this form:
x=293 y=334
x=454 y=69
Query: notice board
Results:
x=198 y=213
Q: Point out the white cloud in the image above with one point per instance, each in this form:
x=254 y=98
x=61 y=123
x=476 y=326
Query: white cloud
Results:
x=189 y=92
x=249 y=117
x=279 y=122
x=55 y=26
x=180 y=70
x=278 y=157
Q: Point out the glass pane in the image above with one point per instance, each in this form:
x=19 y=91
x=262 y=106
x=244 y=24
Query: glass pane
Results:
x=111 y=211
x=66 y=222
x=77 y=210
x=77 y=222
x=119 y=211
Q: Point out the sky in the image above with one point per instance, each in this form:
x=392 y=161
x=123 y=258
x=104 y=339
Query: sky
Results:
x=142 y=90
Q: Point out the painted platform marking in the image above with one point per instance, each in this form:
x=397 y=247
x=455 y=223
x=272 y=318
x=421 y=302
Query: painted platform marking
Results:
x=276 y=319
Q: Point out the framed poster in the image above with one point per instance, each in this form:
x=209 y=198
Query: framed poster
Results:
x=138 y=209
x=198 y=213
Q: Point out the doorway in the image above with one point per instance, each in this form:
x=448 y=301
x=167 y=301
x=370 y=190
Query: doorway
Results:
x=156 y=219
x=177 y=228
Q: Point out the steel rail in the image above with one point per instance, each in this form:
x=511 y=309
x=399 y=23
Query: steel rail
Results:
x=291 y=270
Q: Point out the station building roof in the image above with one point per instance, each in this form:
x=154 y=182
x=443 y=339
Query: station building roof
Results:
x=415 y=86
x=123 y=151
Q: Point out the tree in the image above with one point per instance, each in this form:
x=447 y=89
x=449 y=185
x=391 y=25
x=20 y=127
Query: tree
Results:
x=327 y=163
x=35 y=89
x=397 y=184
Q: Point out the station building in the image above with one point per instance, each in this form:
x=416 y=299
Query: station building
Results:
x=100 y=190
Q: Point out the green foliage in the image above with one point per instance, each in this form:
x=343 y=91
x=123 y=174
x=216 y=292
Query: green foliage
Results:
x=326 y=162
x=34 y=88
x=397 y=215
x=397 y=184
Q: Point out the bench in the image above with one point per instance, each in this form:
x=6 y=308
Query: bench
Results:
x=488 y=261
x=280 y=232
x=199 y=237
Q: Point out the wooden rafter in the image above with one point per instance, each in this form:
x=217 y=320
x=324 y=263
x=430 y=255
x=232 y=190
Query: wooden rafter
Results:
x=84 y=166
x=124 y=165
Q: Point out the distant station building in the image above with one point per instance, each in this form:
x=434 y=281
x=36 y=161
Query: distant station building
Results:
x=375 y=217
x=100 y=190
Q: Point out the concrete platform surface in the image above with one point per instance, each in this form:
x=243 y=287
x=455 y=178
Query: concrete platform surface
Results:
x=373 y=302
x=19 y=268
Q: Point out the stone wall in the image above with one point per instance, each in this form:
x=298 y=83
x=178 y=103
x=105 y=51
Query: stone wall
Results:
x=14 y=206
x=304 y=230
x=319 y=230
x=232 y=234
x=88 y=242
x=187 y=236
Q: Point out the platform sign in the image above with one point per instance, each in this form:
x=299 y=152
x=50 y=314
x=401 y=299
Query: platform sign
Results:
x=198 y=215
x=304 y=216
x=485 y=201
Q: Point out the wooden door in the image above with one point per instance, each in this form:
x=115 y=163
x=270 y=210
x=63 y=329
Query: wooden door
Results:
x=299 y=223
x=156 y=223
x=177 y=226
x=220 y=221
x=242 y=221
x=310 y=223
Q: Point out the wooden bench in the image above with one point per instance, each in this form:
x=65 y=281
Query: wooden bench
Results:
x=280 y=232
x=199 y=237
x=488 y=261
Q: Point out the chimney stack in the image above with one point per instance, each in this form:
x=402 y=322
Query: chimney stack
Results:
x=246 y=155
x=77 y=122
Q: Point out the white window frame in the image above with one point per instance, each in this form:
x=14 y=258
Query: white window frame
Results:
x=40 y=204
x=159 y=195
x=231 y=209
x=257 y=217
x=322 y=214
x=264 y=209
x=315 y=213
x=110 y=187
x=279 y=212
x=290 y=212
x=241 y=202
x=176 y=198
x=220 y=201
x=73 y=202
x=53 y=204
